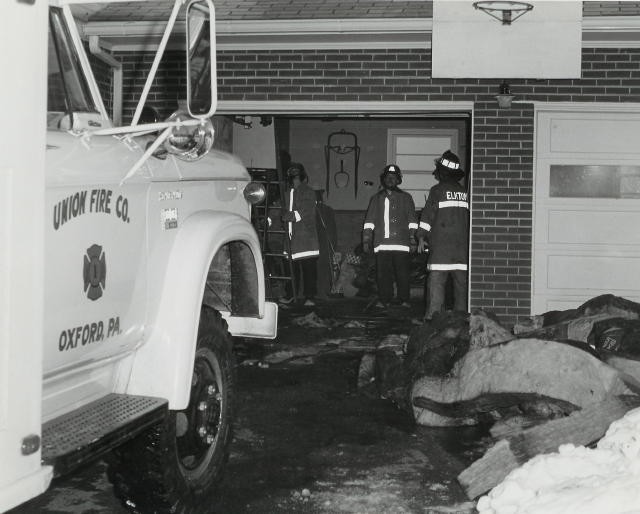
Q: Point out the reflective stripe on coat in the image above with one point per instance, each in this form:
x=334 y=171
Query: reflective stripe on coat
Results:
x=302 y=231
x=390 y=221
x=444 y=223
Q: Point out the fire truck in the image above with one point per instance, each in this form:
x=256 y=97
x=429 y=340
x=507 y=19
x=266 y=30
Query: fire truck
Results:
x=128 y=263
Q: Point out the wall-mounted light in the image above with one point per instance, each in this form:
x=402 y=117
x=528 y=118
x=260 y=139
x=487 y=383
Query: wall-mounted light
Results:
x=506 y=12
x=505 y=97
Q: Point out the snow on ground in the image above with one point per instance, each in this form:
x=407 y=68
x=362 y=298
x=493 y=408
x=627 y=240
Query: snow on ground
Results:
x=576 y=480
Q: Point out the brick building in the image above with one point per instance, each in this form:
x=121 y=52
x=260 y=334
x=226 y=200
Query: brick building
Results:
x=554 y=178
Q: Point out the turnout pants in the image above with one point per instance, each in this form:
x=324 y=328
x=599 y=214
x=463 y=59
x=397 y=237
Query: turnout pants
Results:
x=307 y=270
x=435 y=291
x=392 y=265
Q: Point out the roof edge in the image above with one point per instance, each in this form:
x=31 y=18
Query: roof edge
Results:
x=345 y=33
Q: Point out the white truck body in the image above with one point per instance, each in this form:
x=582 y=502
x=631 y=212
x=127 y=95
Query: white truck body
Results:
x=108 y=254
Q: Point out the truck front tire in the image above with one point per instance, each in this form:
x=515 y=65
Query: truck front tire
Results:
x=176 y=466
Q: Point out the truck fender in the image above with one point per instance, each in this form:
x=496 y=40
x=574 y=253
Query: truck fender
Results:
x=163 y=364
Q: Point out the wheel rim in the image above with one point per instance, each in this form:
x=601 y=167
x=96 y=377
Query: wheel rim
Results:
x=198 y=426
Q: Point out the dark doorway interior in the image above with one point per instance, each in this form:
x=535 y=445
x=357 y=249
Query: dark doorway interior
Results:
x=344 y=185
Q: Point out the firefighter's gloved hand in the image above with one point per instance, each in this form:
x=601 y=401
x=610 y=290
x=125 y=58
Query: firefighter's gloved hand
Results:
x=366 y=246
x=423 y=246
x=288 y=217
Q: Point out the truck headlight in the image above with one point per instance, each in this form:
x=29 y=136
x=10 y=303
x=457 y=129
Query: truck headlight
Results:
x=254 y=193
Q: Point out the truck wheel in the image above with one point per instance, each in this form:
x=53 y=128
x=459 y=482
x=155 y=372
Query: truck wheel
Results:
x=175 y=467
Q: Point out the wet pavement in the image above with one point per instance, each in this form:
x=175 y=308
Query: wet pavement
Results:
x=307 y=440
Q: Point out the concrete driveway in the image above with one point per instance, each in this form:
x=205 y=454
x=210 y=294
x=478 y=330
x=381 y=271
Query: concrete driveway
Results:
x=306 y=439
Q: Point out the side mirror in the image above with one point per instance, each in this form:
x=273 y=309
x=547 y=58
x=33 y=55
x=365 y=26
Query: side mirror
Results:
x=201 y=59
x=189 y=142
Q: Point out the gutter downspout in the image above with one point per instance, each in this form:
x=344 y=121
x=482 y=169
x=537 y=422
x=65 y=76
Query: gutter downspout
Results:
x=116 y=66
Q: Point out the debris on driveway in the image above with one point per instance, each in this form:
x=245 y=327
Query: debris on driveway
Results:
x=305 y=353
x=298 y=355
x=354 y=324
x=559 y=378
x=313 y=320
x=330 y=334
x=499 y=377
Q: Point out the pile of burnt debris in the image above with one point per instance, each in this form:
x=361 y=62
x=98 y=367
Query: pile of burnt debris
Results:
x=561 y=377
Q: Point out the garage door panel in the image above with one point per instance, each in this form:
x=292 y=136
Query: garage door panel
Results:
x=570 y=302
x=594 y=272
x=596 y=135
x=588 y=133
x=586 y=205
x=594 y=227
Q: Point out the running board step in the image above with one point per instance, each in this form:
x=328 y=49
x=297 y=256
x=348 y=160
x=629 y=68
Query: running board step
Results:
x=89 y=432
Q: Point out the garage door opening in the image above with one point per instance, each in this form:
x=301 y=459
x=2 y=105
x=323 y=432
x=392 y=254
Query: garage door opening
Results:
x=345 y=178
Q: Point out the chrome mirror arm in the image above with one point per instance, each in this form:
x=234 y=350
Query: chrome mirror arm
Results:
x=148 y=153
x=156 y=61
x=141 y=129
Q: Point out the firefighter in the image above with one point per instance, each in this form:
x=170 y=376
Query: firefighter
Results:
x=444 y=233
x=389 y=229
x=300 y=218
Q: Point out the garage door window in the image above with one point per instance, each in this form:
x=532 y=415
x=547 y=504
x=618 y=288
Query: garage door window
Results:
x=594 y=181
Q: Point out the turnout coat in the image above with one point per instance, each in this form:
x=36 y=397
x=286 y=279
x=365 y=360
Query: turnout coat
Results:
x=390 y=221
x=444 y=223
x=302 y=231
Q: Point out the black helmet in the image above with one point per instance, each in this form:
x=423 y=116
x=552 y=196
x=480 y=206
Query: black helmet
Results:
x=448 y=165
x=391 y=169
x=296 y=170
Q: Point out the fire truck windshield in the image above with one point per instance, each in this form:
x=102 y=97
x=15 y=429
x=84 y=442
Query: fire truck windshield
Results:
x=68 y=91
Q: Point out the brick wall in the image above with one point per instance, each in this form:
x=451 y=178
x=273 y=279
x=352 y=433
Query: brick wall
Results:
x=502 y=195
x=503 y=139
x=169 y=85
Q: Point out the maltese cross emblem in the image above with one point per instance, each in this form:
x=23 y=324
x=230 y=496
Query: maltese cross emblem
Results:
x=95 y=272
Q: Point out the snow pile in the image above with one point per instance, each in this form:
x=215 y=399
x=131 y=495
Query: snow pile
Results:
x=576 y=480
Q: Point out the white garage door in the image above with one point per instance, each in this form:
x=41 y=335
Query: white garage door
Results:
x=587 y=206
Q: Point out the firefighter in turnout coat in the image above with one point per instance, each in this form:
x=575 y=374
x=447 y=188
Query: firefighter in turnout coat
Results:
x=444 y=232
x=389 y=229
x=300 y=218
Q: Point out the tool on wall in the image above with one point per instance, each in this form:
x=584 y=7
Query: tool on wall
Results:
x=341 y=178
x=342 y=143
